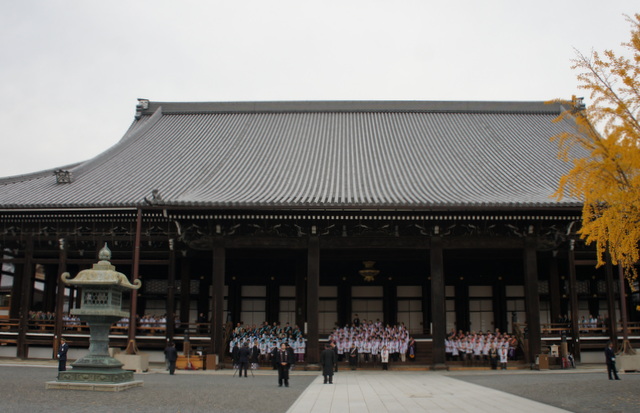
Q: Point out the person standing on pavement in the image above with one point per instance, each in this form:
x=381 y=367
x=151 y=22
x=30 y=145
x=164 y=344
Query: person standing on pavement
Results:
x=282 y=361
x=328 y=359
x=384 y=358
x=353 y=357
x=172 y=355
x=62 y=354
x=610 y=358
x=243 y=359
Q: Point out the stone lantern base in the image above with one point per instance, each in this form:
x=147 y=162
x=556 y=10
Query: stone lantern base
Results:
x=61 y=385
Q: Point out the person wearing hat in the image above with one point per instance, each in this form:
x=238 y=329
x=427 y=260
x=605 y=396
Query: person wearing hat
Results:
x=62 y=354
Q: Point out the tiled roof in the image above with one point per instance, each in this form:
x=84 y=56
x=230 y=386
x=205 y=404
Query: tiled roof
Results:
x=404 y=155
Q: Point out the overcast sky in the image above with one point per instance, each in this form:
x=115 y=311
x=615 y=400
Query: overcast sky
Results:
x=71 y=71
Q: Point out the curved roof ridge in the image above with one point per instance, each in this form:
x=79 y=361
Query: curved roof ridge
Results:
x=355 y=106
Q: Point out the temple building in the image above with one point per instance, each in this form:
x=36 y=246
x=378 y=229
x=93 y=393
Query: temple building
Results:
x=438 y=215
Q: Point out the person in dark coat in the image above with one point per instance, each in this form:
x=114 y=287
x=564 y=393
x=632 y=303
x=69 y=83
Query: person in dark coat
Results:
x=411 y=350
x=292 y=355
x=353 y=357
x=62 y=355
x=255 y=355
x=335 y=350
x=328 y=359
x=172 y=355
x=283 y=360
x=234 y=355
x=610 y=358
x=243 y=359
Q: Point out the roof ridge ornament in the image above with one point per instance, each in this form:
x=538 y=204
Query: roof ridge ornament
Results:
x=143 y=104
x=62 y=177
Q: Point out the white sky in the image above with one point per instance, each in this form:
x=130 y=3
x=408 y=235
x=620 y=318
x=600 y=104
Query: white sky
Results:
x=71 y=71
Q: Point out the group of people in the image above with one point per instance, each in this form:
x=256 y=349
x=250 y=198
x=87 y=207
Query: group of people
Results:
x=479 y=348
x=368 y=341
x=268 y=337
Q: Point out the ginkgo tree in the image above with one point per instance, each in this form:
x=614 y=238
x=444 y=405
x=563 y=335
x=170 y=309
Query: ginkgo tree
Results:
x=608 y=180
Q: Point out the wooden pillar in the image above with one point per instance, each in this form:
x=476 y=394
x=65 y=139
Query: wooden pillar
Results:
x=573 y=299
x=612 y=323
x=500 y=316
x=26 y=288
x=426 y=307
x=62 y=268
x=344 y=303
x=301 y=293
x=185 y=289
x=133 y=310
x=390 y=303
x=462 y=306
x=273 y=301
x=217 y=305
x=16 y=290
x=532 y=297
x=50 y=283
x=313 y=298
x=171 y=292
x=554 y=289
x=234 y=302
x=438 y=310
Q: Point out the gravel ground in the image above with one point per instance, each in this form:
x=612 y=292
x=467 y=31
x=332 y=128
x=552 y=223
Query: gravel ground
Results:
x=576 y=391
x=23 y=390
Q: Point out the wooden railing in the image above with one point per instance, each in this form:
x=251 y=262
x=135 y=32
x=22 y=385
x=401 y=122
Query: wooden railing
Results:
x=557 y=329
x=72 y=326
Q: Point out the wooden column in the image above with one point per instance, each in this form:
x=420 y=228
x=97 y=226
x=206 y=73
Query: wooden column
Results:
x=390 y=302
x=462 y=306
x=301 y=293
x=171 y=292
x=234 y=302
x=313 y=298
x=426 y=307
x=185 y=289
x=439 y=323
x=500 y=316
x=217 y=305
x=25 y=300
x=133 y=310
x=573 y=299
x=62 y=268
x=554 y=289
x=273 y=301
x=532 y=297
x=612 y=323
x=344 y=303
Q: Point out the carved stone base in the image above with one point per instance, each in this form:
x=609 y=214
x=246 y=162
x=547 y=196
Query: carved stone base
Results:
x=96 y=376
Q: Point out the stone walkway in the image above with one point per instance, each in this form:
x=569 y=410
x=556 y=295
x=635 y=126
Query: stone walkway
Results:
x=381 y=392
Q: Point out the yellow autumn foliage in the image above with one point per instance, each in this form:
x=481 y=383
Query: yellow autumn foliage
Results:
x=608 y=180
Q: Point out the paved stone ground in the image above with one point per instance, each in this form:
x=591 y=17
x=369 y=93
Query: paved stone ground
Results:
x=22 y=390
x=580 y=391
